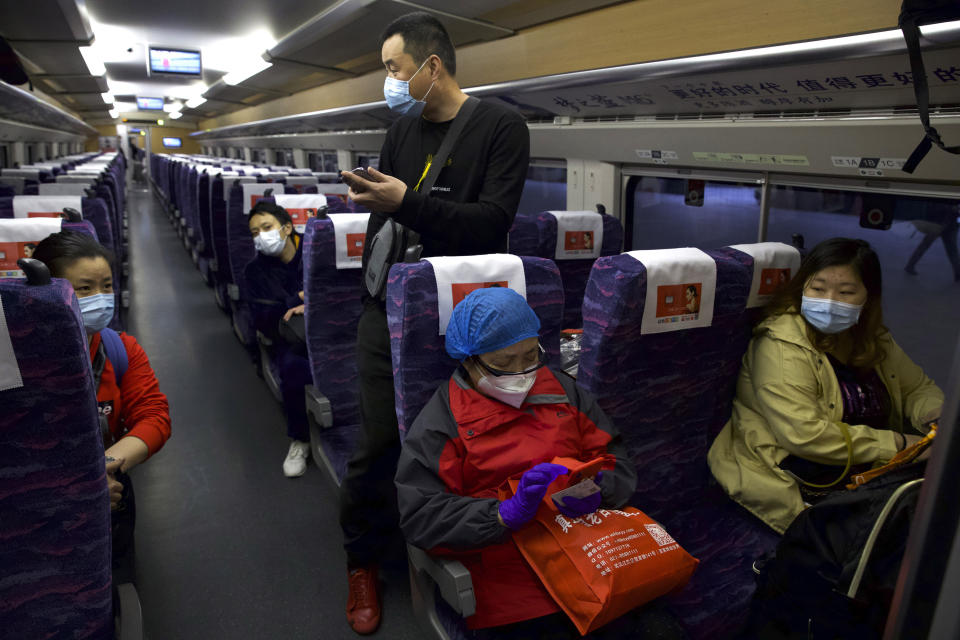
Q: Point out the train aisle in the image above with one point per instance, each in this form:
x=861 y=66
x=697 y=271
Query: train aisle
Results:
x=227 y=547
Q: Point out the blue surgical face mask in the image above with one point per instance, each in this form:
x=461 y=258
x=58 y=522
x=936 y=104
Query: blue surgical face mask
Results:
x=397 y=94
x=97 y=311
x=830 y=316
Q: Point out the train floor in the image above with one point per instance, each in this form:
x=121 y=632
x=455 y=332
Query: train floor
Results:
x=226 y=546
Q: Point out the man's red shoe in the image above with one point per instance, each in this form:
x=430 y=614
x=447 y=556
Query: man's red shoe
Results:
x=363 y=602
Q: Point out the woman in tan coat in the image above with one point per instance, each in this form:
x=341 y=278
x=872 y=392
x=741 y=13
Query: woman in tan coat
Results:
x=824 y=390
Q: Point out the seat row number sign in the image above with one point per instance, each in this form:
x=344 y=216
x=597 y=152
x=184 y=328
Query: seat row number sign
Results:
x=657 y=156
x=868 y=166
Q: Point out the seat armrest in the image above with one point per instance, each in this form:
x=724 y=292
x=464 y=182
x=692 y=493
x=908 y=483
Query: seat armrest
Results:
x=451 y=577
x=318 y=406
x=233 y=291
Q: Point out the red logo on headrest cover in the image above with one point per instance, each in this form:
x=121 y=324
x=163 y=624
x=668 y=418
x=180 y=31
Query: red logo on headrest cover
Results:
x=772 y=279
x=462 y=289
x=355 y=244
x=44 y=214
x=578 y=241
x=300 y=216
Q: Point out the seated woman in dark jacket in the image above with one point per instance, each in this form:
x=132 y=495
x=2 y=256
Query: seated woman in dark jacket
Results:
x=501 y=415
x=274 y=280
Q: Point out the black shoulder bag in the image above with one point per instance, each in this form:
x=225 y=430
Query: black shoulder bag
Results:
x=397 y=243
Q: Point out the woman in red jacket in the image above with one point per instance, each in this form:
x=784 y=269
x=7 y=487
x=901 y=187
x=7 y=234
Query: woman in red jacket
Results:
x=134 y=415
x=504 y=415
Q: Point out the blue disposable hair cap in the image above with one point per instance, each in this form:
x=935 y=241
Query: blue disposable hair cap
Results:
x=490 y=319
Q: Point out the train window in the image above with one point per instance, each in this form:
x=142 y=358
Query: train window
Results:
x=284 y=158
x=4 y=157
x=916 y=240
x=662 y=213
x=238 y=153
x=28 y=148
x=323 y=161
x=369 y=160
x=545 y=188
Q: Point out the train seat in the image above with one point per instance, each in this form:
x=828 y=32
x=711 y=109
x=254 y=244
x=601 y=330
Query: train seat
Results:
x=772 y=265
x=241 y=252
x=93 y=210
x=417 y=323
x=220 y=188
x=332 y=248
x=204 y=242
x=669 y=386
x=301 y=207
x=56 y=524
x=63 y=189
x=37 y=175
x=17 y=233
x=17 y=183
x=586 y=236
x=300 y=183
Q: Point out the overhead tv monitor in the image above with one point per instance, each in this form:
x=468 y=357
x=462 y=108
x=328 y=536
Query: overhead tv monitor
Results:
x=181 y=62
x=150 y=104
x=172 y=143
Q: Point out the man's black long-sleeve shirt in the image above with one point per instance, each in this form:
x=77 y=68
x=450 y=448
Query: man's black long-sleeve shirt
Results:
x=474 y=200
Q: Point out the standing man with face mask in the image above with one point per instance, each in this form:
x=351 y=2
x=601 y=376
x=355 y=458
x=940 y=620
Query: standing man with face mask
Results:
x=469 y=211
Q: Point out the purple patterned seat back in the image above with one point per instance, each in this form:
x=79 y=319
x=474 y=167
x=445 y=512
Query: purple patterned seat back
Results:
x=203 y=215
x=420 y=360
x=218 y=232
x=333 y=307
x=7 y=191
x=240 y=247
x=335 y=204
x=95 y=211
x=536 y=235
x=191 y=203
x=84 y=226
x=670 y=394
x=55 y=527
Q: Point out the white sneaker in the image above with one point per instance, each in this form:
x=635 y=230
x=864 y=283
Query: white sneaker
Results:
x=296 y=461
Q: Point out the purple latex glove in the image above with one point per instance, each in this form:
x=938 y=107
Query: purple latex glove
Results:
x=576 y=507
x=520 y=509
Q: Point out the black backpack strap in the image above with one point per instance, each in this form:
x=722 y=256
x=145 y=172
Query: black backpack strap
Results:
x=911 y=34
x=450 y=139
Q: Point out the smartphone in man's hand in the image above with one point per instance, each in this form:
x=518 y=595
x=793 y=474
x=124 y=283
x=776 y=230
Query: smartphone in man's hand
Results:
x=363 y=173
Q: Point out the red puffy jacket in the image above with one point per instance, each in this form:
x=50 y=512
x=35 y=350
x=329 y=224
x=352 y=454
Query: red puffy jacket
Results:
x=462 y=447
x=136 y=407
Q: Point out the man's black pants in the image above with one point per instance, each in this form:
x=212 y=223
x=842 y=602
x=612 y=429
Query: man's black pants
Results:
x=368 y=497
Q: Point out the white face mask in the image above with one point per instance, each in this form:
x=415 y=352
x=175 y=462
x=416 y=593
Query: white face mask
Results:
x=270 y=243
x=511 y=389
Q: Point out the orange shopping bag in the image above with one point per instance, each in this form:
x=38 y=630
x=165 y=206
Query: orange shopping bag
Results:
x=601 y=565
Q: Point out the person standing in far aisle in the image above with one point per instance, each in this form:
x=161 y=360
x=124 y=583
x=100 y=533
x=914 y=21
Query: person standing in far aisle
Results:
x=467 y=210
